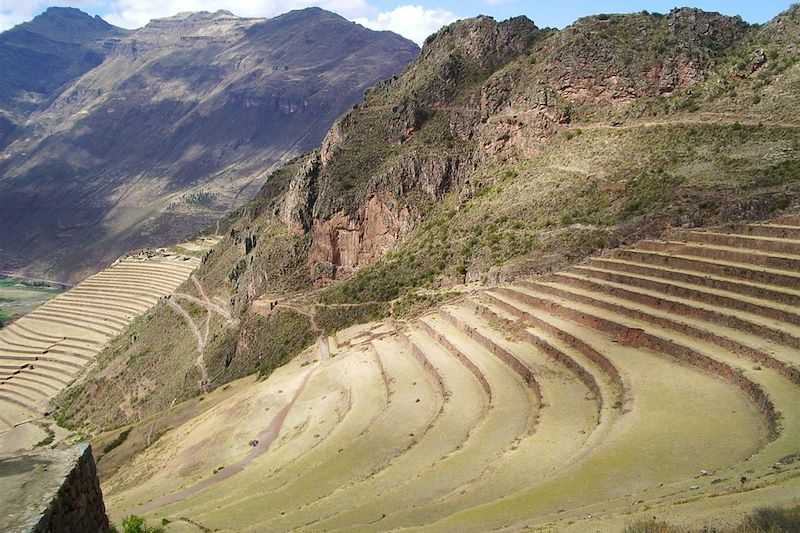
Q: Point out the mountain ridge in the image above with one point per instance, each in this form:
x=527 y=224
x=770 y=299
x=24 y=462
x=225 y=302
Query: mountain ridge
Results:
x=43 y=55
x=176 y=126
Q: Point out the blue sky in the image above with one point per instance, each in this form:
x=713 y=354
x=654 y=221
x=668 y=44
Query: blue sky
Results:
x=413 y=19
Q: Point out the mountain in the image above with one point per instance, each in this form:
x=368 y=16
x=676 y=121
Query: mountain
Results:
x=503 y=149
x=182 y=121
x=539 y=280
x=39 y=57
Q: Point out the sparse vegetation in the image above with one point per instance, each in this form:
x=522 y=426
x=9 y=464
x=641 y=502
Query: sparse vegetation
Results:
x=334 y=318
x=48 y=439
x=119 y=439
x=137 y=524
x=413 y=304
x=270 y=342
x=762 y=520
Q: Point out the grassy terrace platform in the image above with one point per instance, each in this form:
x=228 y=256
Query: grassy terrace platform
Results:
x=655 y=378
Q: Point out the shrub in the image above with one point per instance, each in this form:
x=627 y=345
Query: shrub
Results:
x=136 y=524
x=415 y=304
x=116 y=442
x=272 y=341
x=199 y=198
x=47 y=440
x=773 y=520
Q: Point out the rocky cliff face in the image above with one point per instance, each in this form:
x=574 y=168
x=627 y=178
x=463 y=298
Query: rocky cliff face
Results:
x=181 y=122
x=356 y=205
x=617 y=59
x=480 y=91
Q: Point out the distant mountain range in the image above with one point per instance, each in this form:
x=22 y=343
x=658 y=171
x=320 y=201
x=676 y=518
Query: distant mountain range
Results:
x=113 y=140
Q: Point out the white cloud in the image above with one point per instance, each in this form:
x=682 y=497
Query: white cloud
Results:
x=410 y=21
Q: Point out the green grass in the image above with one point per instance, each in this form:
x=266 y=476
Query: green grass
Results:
x=332 y=319
x=270 y=342
x=19 y=297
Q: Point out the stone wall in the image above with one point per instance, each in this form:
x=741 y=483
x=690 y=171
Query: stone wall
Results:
x=51 y=491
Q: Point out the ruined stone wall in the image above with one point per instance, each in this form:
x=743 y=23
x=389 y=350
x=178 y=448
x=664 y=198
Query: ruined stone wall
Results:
x=78 y=505
x=52 y=491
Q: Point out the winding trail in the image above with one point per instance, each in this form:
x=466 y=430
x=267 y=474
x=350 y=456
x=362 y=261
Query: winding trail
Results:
x=265 y=440
x=201 y=342
x=207 y=302
x=201 y=338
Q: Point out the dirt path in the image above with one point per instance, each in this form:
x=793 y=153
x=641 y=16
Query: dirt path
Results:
x=265 y=440
x=207 y=303
x=201 y=342
x=700 y=118
x=201 y=338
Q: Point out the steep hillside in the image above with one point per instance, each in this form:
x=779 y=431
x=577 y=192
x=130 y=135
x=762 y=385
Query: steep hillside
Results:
x=659 y=380
x=39 y=57
x=503 y=150
x=181 y=122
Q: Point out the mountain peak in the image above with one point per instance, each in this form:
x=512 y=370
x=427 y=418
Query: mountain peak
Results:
x=191 y=18
x=483 y=39
x=68 y=25
x=38 y=56
x=310 y=14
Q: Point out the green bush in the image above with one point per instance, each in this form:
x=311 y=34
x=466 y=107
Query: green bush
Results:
x=47 y=440
x=136 y=524
x=199 y=198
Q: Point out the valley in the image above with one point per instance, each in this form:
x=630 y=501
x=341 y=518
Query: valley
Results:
x=18 y=297
x=535 y=279
x=43 y=351
x=178 y=122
